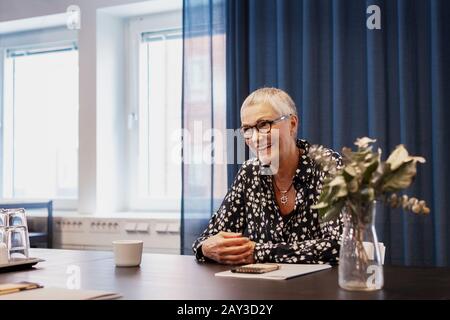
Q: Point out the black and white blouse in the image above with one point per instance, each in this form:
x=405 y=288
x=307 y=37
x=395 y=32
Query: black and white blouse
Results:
x=250 y=208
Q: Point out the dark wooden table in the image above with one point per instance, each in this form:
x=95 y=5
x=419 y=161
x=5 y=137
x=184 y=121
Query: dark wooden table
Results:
x=182 y=278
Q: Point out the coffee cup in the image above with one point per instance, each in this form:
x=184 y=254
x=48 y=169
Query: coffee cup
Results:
x=127 y=253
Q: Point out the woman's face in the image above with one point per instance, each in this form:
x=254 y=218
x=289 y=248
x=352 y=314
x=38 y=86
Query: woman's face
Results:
x=269 y=147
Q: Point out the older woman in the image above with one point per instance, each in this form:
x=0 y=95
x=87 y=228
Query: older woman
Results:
x=268 y=218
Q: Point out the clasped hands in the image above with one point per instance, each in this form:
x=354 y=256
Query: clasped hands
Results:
x=229 y=248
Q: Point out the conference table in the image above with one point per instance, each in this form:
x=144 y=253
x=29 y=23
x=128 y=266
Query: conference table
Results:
x=177 y=277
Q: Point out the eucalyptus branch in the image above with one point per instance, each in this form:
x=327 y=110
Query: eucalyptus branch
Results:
x=411 y=204
x=364 y=177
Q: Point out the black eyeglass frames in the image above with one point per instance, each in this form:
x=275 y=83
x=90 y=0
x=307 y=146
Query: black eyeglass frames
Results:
x=262 y=126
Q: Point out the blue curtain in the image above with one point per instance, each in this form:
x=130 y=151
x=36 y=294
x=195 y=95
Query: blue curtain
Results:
x=204 y=180
x=350 y=81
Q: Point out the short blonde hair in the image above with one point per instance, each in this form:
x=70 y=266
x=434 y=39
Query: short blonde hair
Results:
x=279 y=100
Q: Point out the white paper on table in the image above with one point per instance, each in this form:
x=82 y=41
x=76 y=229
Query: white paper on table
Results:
x=286 y=271
x=52 y=293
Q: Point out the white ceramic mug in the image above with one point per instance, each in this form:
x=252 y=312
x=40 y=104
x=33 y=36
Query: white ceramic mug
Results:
x=128 y=253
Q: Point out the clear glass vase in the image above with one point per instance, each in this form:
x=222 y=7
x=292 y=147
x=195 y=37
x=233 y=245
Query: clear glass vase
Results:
x=360 y=264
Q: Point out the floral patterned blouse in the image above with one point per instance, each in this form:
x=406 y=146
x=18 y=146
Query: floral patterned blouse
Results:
x=250 y=208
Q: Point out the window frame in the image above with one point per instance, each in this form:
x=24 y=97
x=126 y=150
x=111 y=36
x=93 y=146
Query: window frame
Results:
x=136 y=27
x=47 y=38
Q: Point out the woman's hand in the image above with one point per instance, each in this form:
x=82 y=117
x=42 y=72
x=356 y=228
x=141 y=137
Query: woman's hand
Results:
x=228 y=248
x=250 y=258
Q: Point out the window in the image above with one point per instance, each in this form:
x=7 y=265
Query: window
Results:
x=160 y=116
x=155 y=109
x=40 y=123
x=155 y=87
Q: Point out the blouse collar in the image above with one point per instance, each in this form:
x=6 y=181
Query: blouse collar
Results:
x=306 y=166
x=305 y=169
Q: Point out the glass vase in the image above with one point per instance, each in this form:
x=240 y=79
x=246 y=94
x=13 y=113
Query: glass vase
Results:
x=360 y=264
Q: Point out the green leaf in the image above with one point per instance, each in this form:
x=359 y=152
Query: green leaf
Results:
x=364 y=142
x=350 y=171
x=332 y=213
x=371 y=168
x=324 y=198
x=337 y=181
x=359 y=158
x=320 y=205
x=368 y=194
x=401 y=178
x=347 y=153
x=368 y=158
x=416 y=159
x=342 y=191
x=397 y=157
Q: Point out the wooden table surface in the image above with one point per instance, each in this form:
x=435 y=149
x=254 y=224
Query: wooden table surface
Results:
x=176 y=277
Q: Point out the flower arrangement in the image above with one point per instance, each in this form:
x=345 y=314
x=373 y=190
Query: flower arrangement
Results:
x=364 y=178
x=353 y=187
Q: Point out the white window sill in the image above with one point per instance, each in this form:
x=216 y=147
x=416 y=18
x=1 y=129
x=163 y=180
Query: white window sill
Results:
x=114 y=215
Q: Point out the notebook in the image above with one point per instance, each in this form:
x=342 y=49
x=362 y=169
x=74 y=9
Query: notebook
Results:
x=16 y=291
x=286 y=271
x=8 y=288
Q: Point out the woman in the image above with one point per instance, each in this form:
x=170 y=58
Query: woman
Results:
x=268 y=217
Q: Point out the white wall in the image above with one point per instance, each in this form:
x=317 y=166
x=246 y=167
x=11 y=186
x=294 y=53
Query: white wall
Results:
x=21 y=9
x=101 y=90
x=111 y=112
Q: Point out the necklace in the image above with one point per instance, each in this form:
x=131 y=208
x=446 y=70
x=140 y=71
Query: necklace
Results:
x=284 y=198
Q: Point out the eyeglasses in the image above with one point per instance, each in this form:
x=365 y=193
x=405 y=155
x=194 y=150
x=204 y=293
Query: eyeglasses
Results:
x=262 y=126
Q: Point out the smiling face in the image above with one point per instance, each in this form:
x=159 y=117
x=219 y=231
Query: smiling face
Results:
x=269 y=148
